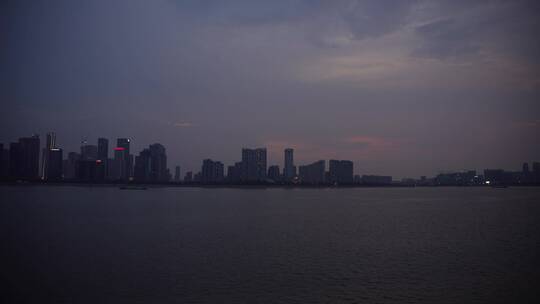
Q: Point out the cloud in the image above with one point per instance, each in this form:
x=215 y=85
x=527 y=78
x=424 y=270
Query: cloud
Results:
x=376 y=18
x=446 y=39
x=183 y=124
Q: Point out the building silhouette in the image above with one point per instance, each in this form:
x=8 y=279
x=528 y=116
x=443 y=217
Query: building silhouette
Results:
x=234 y=173
x=89 y=152
x=103 y=156
x=151 y=165
x=69 y=168
x=24 y=158
x=53 y=169
x=274 y=174
x=50 y=144
x=340 y=172
x=376 y=180
x=4 y=162
x=188 y=178
x=312 y=174
x=118 y=170
x=177 y=177
x=536 y=172
x=212 y=171
x=289 y=170
x=127 y=171
x=253 y=165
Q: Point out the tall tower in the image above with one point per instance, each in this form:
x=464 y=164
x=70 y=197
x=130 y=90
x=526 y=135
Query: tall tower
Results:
x=50 y=144
x=103 y=149
x=253 y=166
x=289 y=171
x=128 y=158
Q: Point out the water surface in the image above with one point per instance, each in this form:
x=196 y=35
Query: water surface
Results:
x=70 y=244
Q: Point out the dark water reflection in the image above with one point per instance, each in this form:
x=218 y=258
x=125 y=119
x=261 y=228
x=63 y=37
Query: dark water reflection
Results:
x=192 y=245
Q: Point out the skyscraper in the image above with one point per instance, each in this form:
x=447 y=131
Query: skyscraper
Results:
x=289 y=170
x=158 y=163
x=274 y=174
x=177 y=174
x=151 y=165
x=24 y=158
x=128 y=158
x=49 y=145
x=234 y=173
x=4 y=162
x=69 y=167
x=253 y=164
x=118 y=166
x=89 y=152
x=312 y=173
x=103 y=149
x=54 y=165
x=211 y=171
x=340 y=171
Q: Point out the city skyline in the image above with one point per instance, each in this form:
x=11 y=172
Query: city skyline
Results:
x=25 y=160
x=404 y=88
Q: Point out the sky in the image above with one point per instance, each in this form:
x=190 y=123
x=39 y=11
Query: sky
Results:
x=402 y=88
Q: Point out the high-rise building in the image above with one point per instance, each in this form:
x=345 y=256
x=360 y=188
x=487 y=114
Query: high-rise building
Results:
x=253 y=165
x=289 y=170
x=340 y=172
x=103 y=149
x=118 y=165
x=151 y=165
x=103 y=157
x=158 y=163
x=70 y=164
x=89 y=170
x=89 y=152
x=4 y=162
x=188 y=178
x=50 y=144
x=54 y=165
x=274 y=174
x=212 y=171
x=312 y=173
x=177 y=174
x=234 y=173
x=536 y=172
x=128 y=158
x=24 y=158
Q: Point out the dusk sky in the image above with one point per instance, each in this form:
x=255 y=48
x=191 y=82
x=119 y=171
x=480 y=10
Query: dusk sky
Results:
x=404 y=88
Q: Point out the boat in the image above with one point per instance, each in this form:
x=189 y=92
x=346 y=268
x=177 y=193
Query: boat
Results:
x=132 y=188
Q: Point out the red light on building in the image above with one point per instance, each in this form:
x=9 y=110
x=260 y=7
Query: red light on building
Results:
x=119 y=149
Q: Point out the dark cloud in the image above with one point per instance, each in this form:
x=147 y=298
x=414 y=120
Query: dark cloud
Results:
x=447 y=39
x=375 y=18
x=207 y=77
x=461 y=30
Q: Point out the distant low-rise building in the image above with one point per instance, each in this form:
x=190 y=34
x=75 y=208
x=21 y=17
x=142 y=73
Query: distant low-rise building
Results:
x=376 y=180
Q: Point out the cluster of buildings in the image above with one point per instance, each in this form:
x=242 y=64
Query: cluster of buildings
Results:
x=253 y=169
x=25 y=160
x=92 y=164
x=489 y=177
